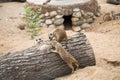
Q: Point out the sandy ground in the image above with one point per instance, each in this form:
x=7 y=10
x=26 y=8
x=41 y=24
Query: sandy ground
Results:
x=104 y=38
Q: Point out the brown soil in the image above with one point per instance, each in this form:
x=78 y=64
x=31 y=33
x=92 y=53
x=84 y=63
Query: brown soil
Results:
x=104 y=38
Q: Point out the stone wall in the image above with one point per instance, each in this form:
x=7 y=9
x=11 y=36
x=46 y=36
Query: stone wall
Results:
x=81 y=19
x=51 y=19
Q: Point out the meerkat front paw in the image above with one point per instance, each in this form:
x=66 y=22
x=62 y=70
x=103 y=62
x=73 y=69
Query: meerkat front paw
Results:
x=55 y=51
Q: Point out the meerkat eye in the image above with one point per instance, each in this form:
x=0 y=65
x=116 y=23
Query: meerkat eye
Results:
x=51 y=34
x=40 y=39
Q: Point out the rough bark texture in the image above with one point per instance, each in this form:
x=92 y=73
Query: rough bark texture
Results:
x=12 y=0
x=117 y=2
x=34 y=64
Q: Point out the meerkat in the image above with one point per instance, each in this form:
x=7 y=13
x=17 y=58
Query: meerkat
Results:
x=113 y=15
x=66 y=56
x=116 y=16
x=58 y=35
x=41 y=45
x=107 y=17
x=116 y=2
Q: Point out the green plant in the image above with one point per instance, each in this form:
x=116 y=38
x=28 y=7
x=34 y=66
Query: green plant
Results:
x=32 y=20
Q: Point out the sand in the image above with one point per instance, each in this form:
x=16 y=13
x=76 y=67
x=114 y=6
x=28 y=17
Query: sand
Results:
x=104 y=38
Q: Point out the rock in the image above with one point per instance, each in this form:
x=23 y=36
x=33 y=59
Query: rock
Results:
x=59 y=16
x=48 y=21
x=98 y=14
x=60 y=12
x=76 y=28
x=75 y=19
x=58 y=21
x=43 y=25
x=41 y=20
x=85 y=16
x=94 y=17
x=76 y=9
x=90 y=14
x=77 y=14
x=41 y=16
x=47 y=14
x=77 y=23
x=53 y=13
x=53 y=19
x=51 y=26
x=85 y=25
x=82 y=12
x=90 y=20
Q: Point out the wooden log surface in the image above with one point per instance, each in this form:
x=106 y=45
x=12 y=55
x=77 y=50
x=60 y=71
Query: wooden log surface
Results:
x=35 y=64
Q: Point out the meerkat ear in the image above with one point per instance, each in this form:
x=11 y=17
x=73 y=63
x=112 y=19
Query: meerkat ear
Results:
x=50 y=36
x=51 y=33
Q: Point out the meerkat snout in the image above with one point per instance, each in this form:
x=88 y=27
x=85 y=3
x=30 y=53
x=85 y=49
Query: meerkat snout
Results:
x=39 y=40
x=51 y=36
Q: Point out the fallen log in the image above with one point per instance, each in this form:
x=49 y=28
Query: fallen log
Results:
x=35 y=64
x=116 y=2
x=12 y=0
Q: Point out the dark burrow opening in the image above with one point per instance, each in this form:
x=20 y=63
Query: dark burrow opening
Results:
x=67 y=22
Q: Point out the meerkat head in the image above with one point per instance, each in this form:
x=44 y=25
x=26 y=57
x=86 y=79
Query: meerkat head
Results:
x=39 y=40
x=112 y=12
x=51 y=36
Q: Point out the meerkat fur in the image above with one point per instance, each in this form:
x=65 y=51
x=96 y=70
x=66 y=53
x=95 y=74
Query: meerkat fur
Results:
x=66 y=56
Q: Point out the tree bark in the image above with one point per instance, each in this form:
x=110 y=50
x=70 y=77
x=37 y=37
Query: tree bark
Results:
x=116 y=2
x=35 y=64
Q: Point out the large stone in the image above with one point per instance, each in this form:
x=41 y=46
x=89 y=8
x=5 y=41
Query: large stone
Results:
x=53 y=19
x=98 y=14
x=47 y=14
x=48 y=21
x=94 y=17
x=60 y=12
x=76 y=9
x=90 y=20
x=43 y=25
x=85 y=15
x=42 y=21
x=76 y=28
x=77 y=23
x=59 y=16
x=77 y=14
x=41 y=16
x=90 y=14
x=52 y=26
x=75 y=19
x=53 y=13
x=82 y=12
x=85 y=25
x=58 y=21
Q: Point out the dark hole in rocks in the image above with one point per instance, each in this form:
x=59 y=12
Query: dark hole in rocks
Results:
x=67 y=22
